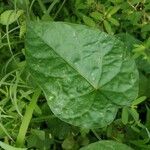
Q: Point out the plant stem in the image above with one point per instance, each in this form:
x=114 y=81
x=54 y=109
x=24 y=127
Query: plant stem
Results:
x=5 y=131
x=30 y=8
x=10 y=31
x=26 y=119
x=51 y=6
x=59 y=9
x=95 y=133
x=43 y=118
x=42 y=6
x=8 y=41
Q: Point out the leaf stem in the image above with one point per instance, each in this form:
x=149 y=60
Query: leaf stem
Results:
x=26 y=119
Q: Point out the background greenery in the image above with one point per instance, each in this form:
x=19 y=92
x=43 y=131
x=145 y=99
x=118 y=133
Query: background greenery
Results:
x=128 y=20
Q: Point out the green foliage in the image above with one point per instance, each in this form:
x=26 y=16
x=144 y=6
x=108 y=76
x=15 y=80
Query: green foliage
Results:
x=128 y=21
x=106 y=145
x=7 y=147
x=10 y=16
x=86 y=93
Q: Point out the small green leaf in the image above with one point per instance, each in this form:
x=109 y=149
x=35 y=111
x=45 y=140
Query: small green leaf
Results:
x=96 y=15
x=68 y=143
x=22 y=29
x=89 y=21
x=134 y=114
x=147 y=43
x=145 y=28
x=139 y=100
x=113 y=21
x=139 y=48
x=108 y=27
x=39 y=139
x=47 y=17
x=135 y=129
x=90 y=2
x=125 y=115
x=106 y=145
x=113 y=10
x=10 y=16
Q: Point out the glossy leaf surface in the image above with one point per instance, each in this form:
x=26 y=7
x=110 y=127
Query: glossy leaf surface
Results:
x=84 y=73
x=106 y=145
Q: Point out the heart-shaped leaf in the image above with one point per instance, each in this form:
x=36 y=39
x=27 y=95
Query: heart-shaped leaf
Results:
x=84 y=73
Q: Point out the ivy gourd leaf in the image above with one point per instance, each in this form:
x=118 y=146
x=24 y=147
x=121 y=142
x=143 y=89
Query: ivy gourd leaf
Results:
x=85 y=74
x=106 y=145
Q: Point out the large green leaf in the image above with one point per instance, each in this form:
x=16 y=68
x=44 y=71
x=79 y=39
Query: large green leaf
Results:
x=85 y=74
x=106 y=145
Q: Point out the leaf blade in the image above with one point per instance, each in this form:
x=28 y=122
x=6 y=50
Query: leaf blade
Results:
x=106 y=145
x=58 y=56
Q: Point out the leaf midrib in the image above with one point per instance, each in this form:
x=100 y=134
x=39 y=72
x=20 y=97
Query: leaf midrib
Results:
x=63 y=58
